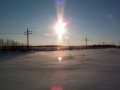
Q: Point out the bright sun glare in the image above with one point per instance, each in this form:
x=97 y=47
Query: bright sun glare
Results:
x=60 y=25
x=60 y=29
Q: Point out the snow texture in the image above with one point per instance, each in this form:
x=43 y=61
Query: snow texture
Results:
x=95 y=69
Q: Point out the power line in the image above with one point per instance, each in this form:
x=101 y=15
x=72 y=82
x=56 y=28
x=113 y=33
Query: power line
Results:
x=11 y=33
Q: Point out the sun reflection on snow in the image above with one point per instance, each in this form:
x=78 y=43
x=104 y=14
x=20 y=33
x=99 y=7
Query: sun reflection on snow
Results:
x=60 y=55
x=60 y=58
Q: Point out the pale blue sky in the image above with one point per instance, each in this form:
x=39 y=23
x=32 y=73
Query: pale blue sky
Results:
x=98 y=19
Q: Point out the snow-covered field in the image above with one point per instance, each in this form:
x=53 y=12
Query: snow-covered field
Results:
x=61 y=70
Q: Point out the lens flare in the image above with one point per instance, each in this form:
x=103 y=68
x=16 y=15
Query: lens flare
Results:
x=56 y=87
x=60 y=5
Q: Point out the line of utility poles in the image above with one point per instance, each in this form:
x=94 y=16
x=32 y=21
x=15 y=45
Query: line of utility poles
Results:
x=27 y=33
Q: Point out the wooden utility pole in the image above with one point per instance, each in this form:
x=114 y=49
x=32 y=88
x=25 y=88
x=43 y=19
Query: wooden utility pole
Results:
x=99 y=42
x=86 y=40
x=27 y=33
x=103 y=43
x=113 y=43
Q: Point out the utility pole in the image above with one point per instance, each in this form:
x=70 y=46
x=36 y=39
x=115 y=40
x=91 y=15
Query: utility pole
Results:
x=99 y=42
x=113 y=43
x=86 y=40
x=27 y=33
x=103 y=43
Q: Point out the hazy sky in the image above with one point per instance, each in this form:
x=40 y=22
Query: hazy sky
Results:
x=98 y=19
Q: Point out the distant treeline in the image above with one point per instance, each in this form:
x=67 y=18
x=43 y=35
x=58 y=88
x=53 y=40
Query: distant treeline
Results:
x=10 y=43
x=7 y=44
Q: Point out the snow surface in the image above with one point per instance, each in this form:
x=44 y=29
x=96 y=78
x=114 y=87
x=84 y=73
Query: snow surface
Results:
x=96 y=69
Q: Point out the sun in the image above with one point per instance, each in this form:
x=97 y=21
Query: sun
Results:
x=60 y=28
